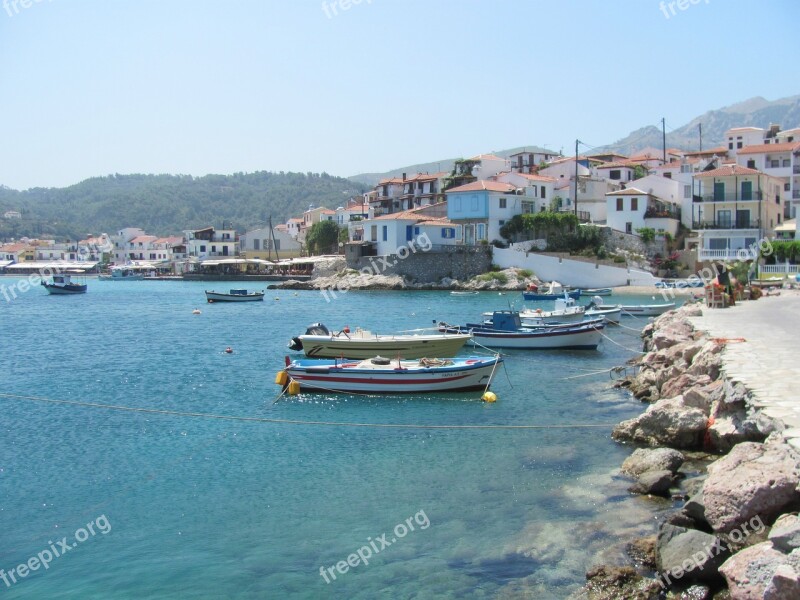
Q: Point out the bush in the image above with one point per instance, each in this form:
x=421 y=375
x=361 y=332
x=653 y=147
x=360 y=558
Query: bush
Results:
x=619 y=259
x=526 y=273
x=648 y=234
x=493 y=276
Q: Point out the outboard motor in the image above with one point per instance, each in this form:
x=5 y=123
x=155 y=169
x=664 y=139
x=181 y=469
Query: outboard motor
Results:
x=295 y=344
x=317 y=329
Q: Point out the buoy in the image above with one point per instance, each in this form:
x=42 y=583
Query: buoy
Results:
x=294 y=388
x=346 y=329
x=228 y=350
x=489 y=397
x=276 y=298
x=281 y=377
x=196 y=311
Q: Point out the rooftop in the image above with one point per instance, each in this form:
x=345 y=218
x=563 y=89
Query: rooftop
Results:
x=483 y=185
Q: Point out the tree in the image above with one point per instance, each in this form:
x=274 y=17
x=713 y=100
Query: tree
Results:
x=322 y=237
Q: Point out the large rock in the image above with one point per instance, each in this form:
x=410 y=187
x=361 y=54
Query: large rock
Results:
x=642 y=552
x=761 y=572
x=703 y=396
x=666 y=423
x=785 y=533
x=656 y=483
x=682 y=382
x=753 y=481
x=652 y=459
x=688 y=555
x=707 y=361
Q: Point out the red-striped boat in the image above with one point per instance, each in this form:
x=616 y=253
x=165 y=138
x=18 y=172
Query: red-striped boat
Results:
x=394 y=376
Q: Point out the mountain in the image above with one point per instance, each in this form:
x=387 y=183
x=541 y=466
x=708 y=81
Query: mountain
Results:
x=371 y=179
x=164 y=204
x=755 y=112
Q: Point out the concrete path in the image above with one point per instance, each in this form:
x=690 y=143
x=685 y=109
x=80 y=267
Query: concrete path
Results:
x=768 y=362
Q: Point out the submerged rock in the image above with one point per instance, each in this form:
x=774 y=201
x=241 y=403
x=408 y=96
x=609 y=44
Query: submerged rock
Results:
x=642 y=552
x=652 y=459
x=653 y=482
x=612 y=583
x=688 y=555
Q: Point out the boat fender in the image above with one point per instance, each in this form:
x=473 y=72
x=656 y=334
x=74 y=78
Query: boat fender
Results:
x=281 y=377
x=196 y=311
x=380 y=360
x=294 y=388
x=489 y=397
x=228 y=350
x=346 y=329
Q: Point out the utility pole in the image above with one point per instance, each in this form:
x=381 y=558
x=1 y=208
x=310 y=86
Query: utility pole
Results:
x=664 y=138
x=700 y=129
x=576 y=176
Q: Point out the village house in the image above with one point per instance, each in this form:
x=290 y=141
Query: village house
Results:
x=266 y=245
x=311 y=217
x=384 y=234
x=734 y=207
x=482 y=207
x=632 y=209
x=528 y=161
x=210 y=242
x=781 y=160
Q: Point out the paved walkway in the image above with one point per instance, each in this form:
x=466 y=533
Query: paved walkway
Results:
x=768 y=362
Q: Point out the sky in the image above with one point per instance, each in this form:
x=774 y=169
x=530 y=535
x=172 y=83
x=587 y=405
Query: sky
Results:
x=95 y=87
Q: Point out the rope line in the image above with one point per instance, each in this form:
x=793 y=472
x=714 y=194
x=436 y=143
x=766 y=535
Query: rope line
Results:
x=176 y=413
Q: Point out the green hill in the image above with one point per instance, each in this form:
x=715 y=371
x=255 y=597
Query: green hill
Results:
x=164 y=204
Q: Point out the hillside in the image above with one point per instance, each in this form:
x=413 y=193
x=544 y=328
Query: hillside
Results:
x=755 y=112
x=163 y=204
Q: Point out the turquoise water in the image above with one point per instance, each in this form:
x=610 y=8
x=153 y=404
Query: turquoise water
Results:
x=209 y=508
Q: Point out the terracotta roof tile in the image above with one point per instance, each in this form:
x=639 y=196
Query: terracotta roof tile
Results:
x=729 y=170
x=481 y=185
x=770 y=148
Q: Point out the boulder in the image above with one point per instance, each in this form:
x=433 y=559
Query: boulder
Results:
x=656 y=483
x=761 y=572
x=643 y=552
x=688 y=555
x=695 y=507
x=707 y=361
x=652 y=459
x=684 y=381
x=785 y=533
x=754 y=481
x=725 y=432
x=702 y=396
x=666 y=423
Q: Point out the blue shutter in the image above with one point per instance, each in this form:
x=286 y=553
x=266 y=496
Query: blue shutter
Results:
x=409 y=232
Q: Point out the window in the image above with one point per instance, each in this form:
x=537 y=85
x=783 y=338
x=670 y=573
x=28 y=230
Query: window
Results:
x=634 y=204
x=668 y=175
x=459 y=232
x=615 y=174
x=481 y=231
x=416 y=230
x=385 y=233
x=501 y=222
x=738 y=145
x=544 y=192
x=730 y=146
x=687 y=191
x=785 y=187
x=751 y=164
x=502 y=202
x=213 y=248
x=774 y=164
x=256 y=244
x=619 y=203
x=373 y=233
x=686 y=168
x=202 y=248
x=628 y=227
x=787 y=162
x=724 y=219
x=718 y=244
x=266 y=244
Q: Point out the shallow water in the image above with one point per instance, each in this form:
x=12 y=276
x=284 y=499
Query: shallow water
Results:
x=210 y=508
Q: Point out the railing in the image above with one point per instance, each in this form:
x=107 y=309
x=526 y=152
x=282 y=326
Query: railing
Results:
x=727 y=253
x=652 y=213
x=756 y=224
x=784 y=268
x=753 y=196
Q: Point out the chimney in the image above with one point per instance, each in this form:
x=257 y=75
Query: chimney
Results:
x=404 y=176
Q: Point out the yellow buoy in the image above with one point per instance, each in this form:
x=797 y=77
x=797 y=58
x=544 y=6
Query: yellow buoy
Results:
x=489 y=397
x=294 y=388
x=281 y=377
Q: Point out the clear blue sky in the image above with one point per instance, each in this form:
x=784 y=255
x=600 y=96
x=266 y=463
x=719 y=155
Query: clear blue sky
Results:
x=92 y=87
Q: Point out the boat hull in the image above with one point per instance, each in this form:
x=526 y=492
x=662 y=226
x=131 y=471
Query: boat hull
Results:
x=220 y=297
x=473 y=373
x=64 y=290
x=586 y=338
x=597 y=292
x=611 y=315
x=536 y=296
x=570 y=316
x=321 y=346
x=646 y=310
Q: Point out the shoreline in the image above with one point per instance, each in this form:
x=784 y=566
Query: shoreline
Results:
x=711 y=391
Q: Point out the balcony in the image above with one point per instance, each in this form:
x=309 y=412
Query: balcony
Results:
x=727 y=254
x=727 y=224
x=796 y=169
x=729 y=197
x=657 y=213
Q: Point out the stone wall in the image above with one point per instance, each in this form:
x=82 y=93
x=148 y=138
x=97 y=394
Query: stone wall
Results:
x=632 y=243
x=456 y=262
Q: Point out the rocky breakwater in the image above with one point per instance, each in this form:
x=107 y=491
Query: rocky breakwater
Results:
x=333 y=277
x=736 y=533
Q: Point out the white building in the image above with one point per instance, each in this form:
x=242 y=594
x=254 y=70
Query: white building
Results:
x=258 y=243
x=210 y=242
x=392 y=231
x=780 y=160
x=632 y=209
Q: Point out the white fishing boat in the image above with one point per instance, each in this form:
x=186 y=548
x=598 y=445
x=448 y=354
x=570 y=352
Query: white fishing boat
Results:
x=122 y=273
x=564 y=311
x=319 y=342
x=62 y=284
x=234 y=296
x=463 y=293
x=646 y=310
x=596 y=308
x=391 y=376
x=506 y=331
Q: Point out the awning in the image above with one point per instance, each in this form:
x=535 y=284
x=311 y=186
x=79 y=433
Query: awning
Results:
x=790 y=225
x=51 y=265
x=5 y=263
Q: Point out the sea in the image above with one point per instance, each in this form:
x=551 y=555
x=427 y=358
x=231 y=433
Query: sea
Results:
x=139 y=459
